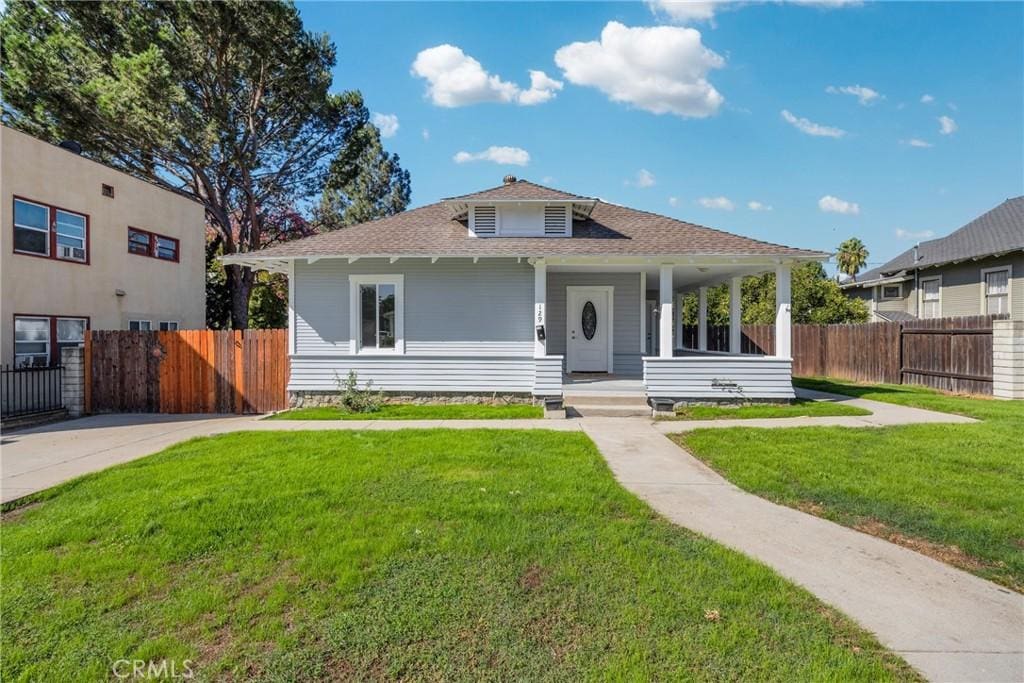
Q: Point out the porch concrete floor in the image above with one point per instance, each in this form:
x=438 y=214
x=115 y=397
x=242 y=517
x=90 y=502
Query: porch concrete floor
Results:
x=601 y=384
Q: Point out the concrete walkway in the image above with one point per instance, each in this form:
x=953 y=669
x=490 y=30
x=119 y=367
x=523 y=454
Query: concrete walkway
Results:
x=948 y=624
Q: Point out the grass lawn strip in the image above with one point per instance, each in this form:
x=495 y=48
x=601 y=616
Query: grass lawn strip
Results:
x=954 y=492
x=413 y=554
x=408 y=411
x=799 y=408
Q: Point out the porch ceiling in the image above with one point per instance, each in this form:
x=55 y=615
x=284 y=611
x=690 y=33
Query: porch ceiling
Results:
x=683 y=276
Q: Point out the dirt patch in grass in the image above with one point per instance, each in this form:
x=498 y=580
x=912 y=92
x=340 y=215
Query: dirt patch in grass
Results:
x=532 y=578
x=950 y=554
x=13 y=514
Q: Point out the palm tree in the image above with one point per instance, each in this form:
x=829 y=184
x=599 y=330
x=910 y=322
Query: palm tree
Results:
x=851 y=257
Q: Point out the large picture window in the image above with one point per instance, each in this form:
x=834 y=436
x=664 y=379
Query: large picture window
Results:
x=376 y=315
x=42 y=230
x=996 y=290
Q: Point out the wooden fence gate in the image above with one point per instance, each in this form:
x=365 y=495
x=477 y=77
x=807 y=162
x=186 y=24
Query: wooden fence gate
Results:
x=189 y=371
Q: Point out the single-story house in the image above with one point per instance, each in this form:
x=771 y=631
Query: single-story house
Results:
x=521 y=290
x=976 y=270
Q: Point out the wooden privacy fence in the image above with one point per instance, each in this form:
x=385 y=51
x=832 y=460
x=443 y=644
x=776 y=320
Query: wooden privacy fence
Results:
x=189 y=371
x=951 y=354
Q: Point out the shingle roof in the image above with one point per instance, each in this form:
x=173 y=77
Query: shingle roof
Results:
x=994 y=232
x=610 y=229
x=522 y=190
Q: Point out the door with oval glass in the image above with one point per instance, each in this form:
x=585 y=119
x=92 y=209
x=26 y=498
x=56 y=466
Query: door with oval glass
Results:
x=589 y=329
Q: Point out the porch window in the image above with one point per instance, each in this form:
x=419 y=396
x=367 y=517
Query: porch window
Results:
x=376 y=315
x=997 y=291
x=931 y=297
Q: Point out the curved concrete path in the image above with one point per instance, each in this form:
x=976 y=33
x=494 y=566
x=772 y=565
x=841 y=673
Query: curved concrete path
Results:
x=948 y=624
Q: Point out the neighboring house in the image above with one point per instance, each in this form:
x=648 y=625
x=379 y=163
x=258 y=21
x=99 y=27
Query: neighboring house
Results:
x=86 y=246
x=501 y=291
x=978 y=269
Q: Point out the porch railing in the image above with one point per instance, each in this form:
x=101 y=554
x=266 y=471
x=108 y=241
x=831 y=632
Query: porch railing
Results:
x=28 y=391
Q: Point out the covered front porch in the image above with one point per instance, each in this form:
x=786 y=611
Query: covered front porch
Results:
x=614 y=327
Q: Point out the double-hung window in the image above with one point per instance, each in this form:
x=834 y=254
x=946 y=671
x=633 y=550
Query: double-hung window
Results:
x=168 y=325
x=996 y=290
x=931 y=297
x=38 y=339
x=376 y=313
x=140 y=325
x=43 y=230
x=146 y=243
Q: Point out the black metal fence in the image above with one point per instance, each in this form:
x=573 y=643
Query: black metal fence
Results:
x=27 y=391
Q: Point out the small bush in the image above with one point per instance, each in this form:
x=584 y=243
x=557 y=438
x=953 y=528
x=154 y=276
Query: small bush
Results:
x=358 y=400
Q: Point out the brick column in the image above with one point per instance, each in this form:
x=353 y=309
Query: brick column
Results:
x=72 y=386
x=1008 y=359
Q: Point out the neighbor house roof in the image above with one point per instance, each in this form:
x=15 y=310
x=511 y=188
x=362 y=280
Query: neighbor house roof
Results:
x=995 y=232
x=609 y=230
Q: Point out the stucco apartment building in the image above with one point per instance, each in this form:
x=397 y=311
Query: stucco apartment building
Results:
x=84 y=246
x=976 y=270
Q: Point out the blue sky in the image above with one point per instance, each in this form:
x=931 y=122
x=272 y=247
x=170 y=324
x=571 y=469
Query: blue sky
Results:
x=891 y=122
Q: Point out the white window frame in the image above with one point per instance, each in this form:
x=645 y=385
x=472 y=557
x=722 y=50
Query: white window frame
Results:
x=1009 y=287
x=176 y=324
x=149 y=325
x=898 y=285
x=49 y=341
x=354 y=282
x=32 y=227
x=920 y=295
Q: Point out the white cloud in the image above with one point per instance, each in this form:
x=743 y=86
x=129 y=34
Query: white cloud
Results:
x=830 y=204
x=426 y=134
x=864 y=94
x=810 y=127
x=720 y=203
x=515 y=156
x=673 y=201
x=387 y=123
x=758 y=206
x=454 y=79
x=683 y=11
x=947 y=126
x=643 y=178
x=909 y=235
x=917 y=142
x=660 y=69
x=547 y=180
x=927 y=99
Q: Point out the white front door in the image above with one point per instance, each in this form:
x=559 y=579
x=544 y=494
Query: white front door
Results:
x=588 y=329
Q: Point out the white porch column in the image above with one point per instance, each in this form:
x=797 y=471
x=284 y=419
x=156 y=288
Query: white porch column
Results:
x=783 y=313
x=735 y=333
x=679 y=319
x=665 y=314
x=702 y=319
x=540 y=297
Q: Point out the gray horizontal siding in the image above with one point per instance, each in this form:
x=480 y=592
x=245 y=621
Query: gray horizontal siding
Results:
x=548 y=376
x=755 y=377
x=626 y=314
x=453 y=307
x=415 y=373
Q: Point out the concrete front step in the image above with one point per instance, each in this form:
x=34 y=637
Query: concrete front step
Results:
x=606 y=410
x=630 y=400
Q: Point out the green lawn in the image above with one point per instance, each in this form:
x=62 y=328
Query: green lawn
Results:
x=955 y=492
x=414 y=554
x=408 y=411
x=799 y=408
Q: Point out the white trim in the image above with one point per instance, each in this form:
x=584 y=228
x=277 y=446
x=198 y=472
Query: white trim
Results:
x=609 y=291
x=920 y=294
x=354 y=281
x=643 y=311
x=540 y=313
x=1009 y=287
x=291 y=307
x=899 y=296
x=665 y=312
x=783 y=312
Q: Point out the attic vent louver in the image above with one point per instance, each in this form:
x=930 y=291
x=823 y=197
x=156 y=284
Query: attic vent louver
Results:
x=556 y=220
x=485 y=221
